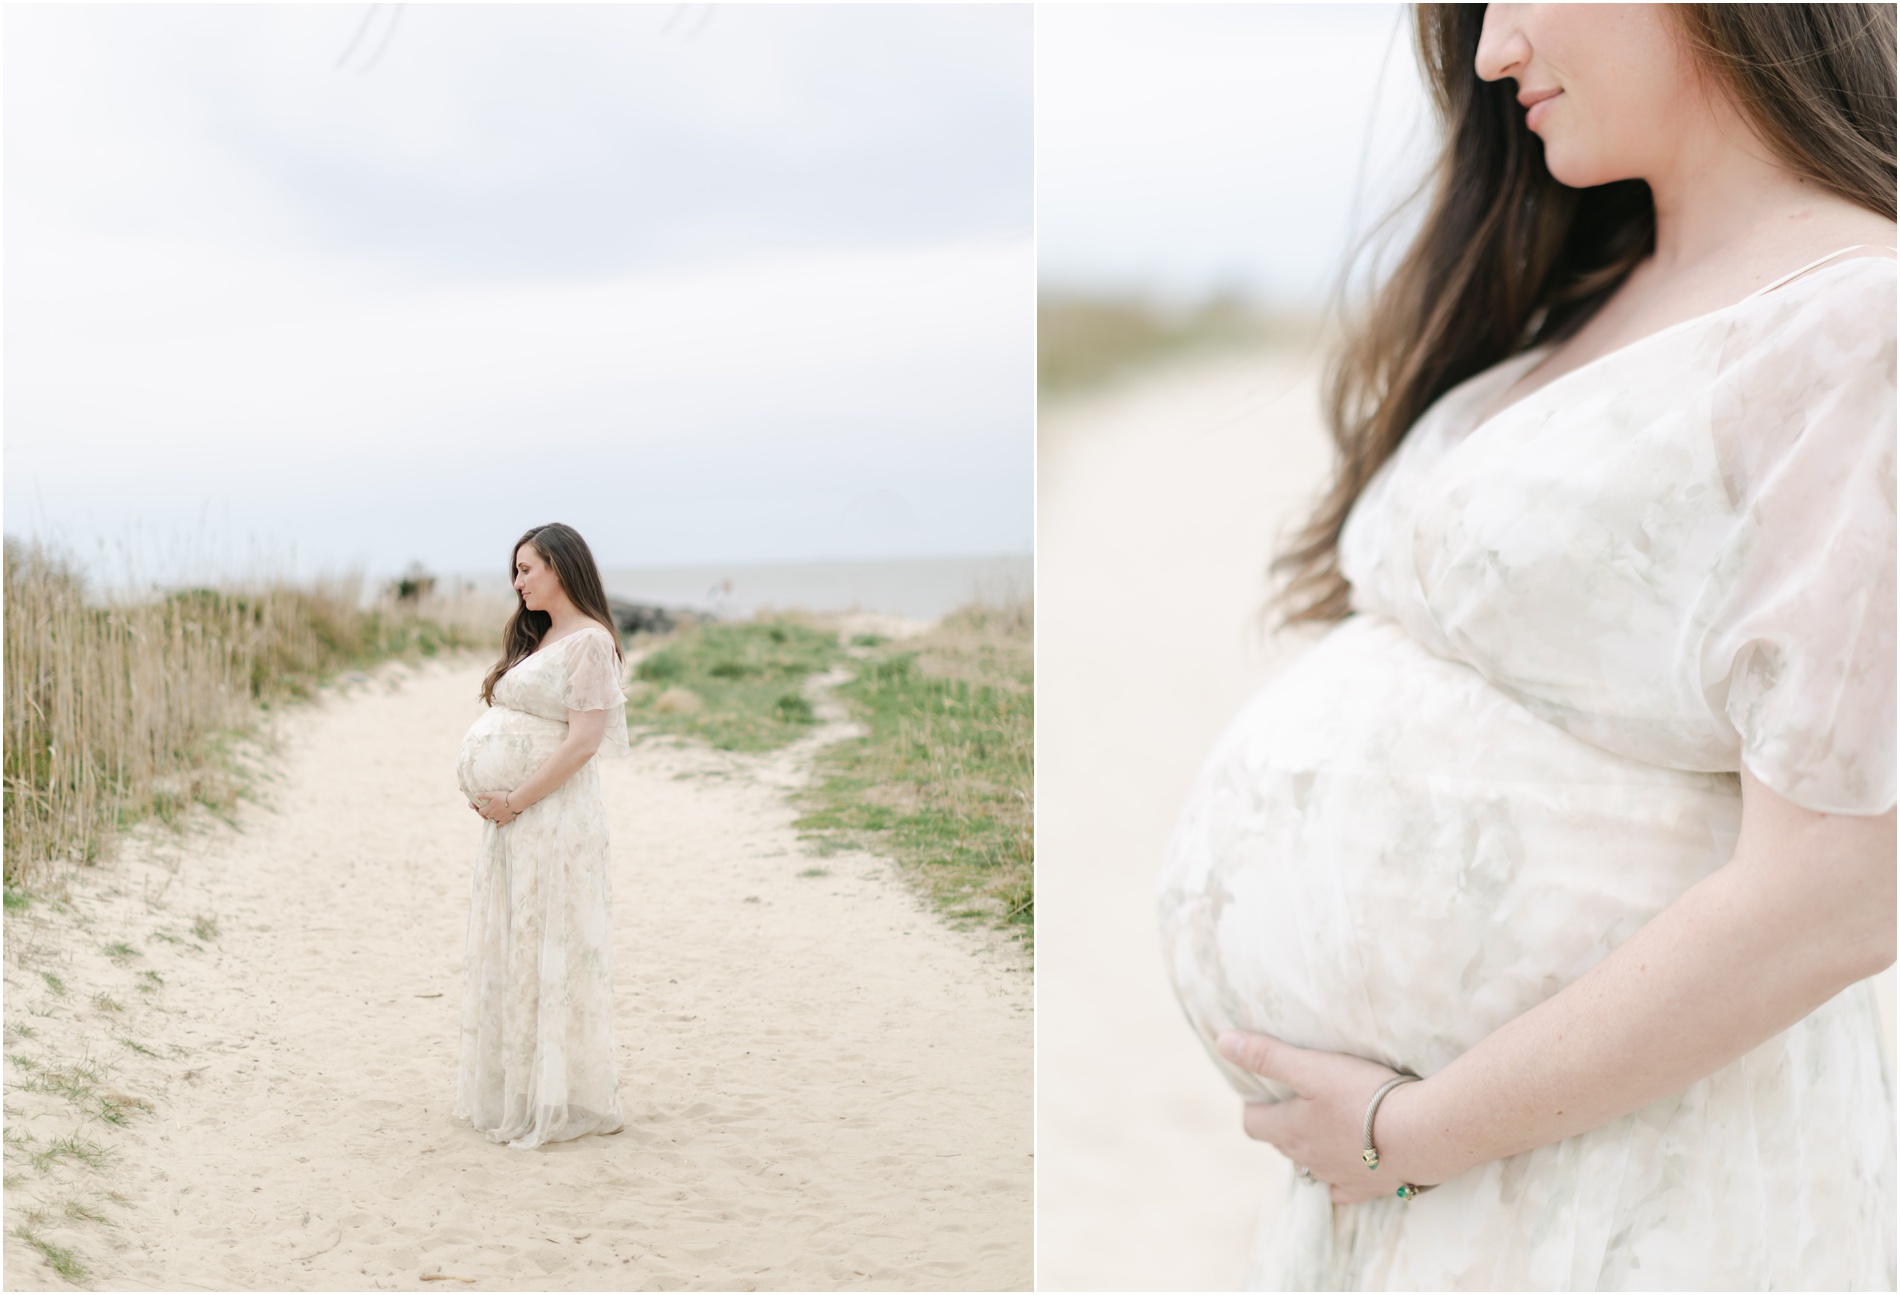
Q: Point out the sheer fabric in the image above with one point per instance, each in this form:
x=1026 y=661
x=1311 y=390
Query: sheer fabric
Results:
x=1574 y=621
x=536 y=1060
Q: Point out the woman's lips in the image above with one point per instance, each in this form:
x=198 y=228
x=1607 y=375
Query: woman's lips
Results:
x=1537 y=104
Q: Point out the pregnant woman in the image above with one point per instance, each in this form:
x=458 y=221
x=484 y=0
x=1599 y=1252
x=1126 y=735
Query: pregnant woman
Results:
x=537 y=1049
x=1582 y=813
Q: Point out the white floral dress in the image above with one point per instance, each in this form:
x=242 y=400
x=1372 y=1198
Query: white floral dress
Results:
x=537 y=1047
x=1573 y=623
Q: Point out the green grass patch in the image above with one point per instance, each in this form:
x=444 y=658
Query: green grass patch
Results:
x=63 y=1261
x=54 y=983
x=73 y=1082
x=738 y=687
x=71 y=1147
x=942 y=782
x=120 y=950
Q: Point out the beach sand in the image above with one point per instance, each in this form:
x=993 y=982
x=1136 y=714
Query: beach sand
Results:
x=824 y=1085
x=1158 y=504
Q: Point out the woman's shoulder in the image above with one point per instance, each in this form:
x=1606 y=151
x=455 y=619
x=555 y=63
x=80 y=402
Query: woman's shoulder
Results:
x=597 y=632
x=1807 y=375
x=1837 y=318
x=1860 y=285
x=593 y=650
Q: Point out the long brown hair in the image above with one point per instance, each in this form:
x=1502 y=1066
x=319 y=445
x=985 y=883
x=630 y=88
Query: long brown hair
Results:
x=1507 y=258
x=562 y=548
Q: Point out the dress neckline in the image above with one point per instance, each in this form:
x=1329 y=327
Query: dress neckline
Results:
x=1703 y=318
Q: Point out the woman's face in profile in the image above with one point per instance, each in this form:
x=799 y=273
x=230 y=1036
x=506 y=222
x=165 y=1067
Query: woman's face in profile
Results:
x=1608 y=86
x=535 y=580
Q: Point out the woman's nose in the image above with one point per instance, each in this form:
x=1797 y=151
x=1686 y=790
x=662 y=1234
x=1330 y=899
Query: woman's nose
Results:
x=1503 y=49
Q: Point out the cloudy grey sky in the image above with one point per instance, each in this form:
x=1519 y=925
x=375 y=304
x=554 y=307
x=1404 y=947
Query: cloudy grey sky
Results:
x=713 y=284
x=1188 y=149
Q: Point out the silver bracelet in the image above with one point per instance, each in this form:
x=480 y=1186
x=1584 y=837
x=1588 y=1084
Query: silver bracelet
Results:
x=1371 y=1154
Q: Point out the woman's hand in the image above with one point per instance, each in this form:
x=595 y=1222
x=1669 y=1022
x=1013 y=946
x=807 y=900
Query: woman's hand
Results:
x=493 y=806
x=1322 y=1130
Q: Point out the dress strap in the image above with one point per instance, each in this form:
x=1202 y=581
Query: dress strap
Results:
x=1817 y=264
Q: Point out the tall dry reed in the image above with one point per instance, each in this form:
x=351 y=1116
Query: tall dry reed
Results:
x=118 y=711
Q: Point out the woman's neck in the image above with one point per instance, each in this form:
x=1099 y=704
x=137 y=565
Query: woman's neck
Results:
x=564 y=618
x=1719 y=190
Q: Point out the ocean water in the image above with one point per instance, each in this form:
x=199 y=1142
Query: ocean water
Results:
x=922 y=588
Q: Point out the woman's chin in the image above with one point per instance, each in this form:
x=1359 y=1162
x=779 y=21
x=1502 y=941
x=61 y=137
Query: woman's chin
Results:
x=1574 y=171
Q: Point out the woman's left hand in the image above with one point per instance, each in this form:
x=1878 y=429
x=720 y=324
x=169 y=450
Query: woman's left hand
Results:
x=493 y=806
x=1322 y=1129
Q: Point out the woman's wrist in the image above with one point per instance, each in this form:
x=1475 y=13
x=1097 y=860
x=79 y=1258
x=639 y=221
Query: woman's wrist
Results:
x=1411 y=1138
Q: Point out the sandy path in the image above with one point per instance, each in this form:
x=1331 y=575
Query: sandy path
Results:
x=1157 y=506
x=824 y=1086
x=1156 y=510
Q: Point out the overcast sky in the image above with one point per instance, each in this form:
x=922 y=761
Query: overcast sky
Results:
x=1187 y=149
x=713 y=284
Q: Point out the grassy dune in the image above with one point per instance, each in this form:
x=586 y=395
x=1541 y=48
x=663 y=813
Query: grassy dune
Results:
x=942 y=781
x=945 y=778
x=738 y=687
x=120 y=712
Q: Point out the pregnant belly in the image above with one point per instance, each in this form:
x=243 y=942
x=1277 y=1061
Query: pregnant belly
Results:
x=503 y=748
x=1387 y=856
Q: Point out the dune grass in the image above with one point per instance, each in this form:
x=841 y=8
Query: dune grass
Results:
x=739 y=687
x=944 y=779
x=117 y=712
x=62 y=1260
x=941 y=782
x=1083 y=342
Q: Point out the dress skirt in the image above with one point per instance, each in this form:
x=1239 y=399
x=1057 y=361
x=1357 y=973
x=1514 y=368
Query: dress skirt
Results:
x=537 y=1048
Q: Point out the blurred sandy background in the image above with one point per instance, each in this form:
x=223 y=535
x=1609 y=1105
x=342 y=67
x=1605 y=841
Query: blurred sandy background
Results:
x=1158 y=503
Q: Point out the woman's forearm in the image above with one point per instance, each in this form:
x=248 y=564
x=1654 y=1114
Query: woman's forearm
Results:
x=1804 y=909
x=575 y=750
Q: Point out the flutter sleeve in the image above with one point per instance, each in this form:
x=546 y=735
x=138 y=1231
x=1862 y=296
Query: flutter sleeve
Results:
x=593 y=683
x=1801 y=657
